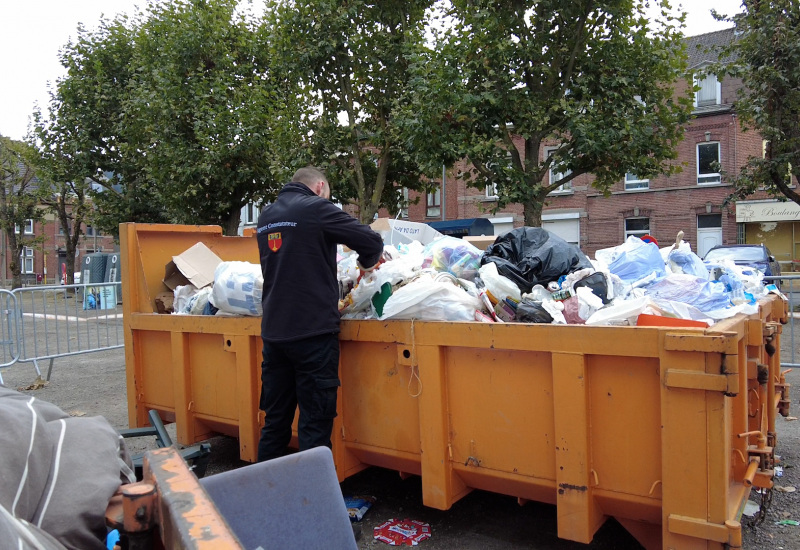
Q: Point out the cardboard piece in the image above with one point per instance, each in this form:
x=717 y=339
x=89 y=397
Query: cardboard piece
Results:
x=396 y=232
x=195 y=266
x=481 y=242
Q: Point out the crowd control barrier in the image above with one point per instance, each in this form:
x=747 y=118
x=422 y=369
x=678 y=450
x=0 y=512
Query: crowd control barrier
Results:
x=666 y=429
x=43 y=323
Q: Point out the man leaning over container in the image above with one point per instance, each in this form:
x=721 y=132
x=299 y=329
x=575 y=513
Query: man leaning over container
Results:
x=297 y=238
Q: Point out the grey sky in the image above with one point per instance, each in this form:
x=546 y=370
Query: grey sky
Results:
x=32 y=32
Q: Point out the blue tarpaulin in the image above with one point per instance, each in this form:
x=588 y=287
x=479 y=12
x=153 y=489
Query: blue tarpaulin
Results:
x=460 y=228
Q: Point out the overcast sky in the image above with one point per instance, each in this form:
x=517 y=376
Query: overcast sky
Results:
x=32 y=32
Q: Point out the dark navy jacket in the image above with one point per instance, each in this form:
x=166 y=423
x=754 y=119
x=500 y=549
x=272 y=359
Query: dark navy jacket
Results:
x=297 y=238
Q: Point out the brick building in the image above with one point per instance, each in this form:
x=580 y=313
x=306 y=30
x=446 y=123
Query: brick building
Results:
x=691 y=201
x=42 y=263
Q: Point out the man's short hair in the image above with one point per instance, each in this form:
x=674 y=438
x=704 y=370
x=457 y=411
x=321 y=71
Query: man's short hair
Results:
x=309 y=176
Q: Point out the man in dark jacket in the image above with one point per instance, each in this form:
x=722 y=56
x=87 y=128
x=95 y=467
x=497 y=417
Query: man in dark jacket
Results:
x=297 y=238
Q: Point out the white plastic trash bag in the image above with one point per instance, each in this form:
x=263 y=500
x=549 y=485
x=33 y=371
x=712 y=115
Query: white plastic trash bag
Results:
x=237 y=288
x=500 y=286
x=430 y=300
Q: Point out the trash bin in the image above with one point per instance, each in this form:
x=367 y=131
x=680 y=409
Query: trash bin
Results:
x=654 y=426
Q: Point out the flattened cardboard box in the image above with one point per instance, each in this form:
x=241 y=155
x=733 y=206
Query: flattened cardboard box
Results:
x=195 y=266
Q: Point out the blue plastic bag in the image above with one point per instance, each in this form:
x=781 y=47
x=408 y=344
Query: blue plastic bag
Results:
x=637 y=260
x=698 y=292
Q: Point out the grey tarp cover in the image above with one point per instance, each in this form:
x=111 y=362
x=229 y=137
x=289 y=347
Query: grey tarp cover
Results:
x=57 y=474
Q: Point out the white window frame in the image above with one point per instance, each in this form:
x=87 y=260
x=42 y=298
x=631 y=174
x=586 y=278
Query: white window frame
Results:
x=28 y=227
x=404 y=204
x=634 y=182
x=699 y=80
x=491 y=191
x=250 y=213
x=26 y=260
x=637 y=232
x=711 y=178
x=433 y=203
x=563 y=189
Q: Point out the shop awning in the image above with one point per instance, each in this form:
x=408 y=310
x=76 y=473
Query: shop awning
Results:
x=460 y=228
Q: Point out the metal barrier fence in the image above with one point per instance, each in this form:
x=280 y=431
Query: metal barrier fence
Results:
x=46 y=322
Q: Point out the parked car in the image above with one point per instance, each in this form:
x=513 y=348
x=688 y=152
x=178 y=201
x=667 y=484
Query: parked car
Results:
x=756 y=256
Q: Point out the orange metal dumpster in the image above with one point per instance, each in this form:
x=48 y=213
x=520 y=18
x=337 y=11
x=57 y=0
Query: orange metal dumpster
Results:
x=666 y=429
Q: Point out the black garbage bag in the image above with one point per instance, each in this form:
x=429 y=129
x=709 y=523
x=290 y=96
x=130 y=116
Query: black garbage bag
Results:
x=597 y=284
x=532 y=255
x=532 y=312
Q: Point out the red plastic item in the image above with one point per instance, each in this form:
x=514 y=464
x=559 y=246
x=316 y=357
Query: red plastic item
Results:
x=405 y=532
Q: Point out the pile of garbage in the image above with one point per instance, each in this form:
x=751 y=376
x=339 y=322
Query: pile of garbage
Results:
x=527 y=275
x=530 y=275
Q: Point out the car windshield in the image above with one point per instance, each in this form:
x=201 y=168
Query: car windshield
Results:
x=738 y=254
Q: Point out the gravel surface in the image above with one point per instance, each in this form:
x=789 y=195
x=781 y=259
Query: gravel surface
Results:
x=94 y=384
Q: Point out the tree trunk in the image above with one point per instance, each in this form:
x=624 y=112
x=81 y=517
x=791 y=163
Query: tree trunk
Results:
x=532 y=211
x=231 y=227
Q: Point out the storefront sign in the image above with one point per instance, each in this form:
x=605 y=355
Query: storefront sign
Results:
x=767 y=211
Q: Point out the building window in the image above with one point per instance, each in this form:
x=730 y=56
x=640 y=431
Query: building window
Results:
x=28 y=227
x=709 y=92
x=404 y=204
x=491 y=191
x=707 y=163
x=26 y=260
x=556 y=175
x=638 y=227
x=250 y=213
x=434 y=204
x=92 y=232
x=632 y=181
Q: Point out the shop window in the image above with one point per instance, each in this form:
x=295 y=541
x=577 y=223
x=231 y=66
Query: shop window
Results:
x=708 y=161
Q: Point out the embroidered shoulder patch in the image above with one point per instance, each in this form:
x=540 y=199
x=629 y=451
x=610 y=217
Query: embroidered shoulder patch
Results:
x=275 y=241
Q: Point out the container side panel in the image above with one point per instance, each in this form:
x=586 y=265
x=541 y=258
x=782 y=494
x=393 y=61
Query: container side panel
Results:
x=378 y=404
x=625 y=424
x=154 y=359
x=501 y=410
x=213 y=378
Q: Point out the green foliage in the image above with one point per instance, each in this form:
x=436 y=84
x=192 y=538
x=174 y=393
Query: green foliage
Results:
x=351 y=59
x=767 y=59
x=174 y=114
x=20 y=195
x=595 y=80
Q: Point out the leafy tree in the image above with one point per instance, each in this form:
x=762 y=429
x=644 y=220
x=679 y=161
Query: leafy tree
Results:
x=766 y=57
x=351 y=58
x=595 y=80
x=84 y=144
x=205 y=114
x=173 y=114
x=19 y=202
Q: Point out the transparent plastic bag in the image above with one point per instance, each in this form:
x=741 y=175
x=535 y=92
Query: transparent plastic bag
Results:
x=500 y=286
x=237 y=289
x=635 y=260
x=453 y=255
x=431 y=300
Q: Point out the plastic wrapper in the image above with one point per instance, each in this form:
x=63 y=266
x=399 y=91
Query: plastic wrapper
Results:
x=686 y=261
x=357 y=506
x=453 y=255
x=427 y=299
x=703 y=294
x=634 y=261
x=532 y=255
x=237 y=288
x=501 y=287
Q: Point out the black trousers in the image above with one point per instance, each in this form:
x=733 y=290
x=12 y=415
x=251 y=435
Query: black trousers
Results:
x=305 y=373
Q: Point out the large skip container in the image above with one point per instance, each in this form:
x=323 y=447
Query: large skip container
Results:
x=666 y=429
